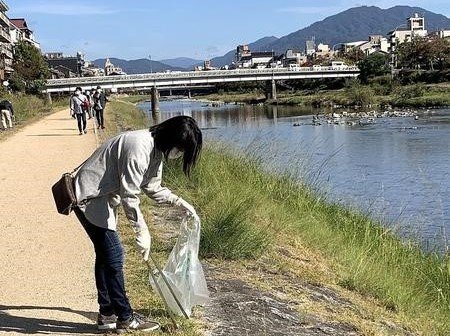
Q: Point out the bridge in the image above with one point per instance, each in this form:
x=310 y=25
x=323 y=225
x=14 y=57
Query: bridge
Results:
x=188 y=79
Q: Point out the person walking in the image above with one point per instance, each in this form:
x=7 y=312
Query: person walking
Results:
x=115 y=174
x=99 y=106
x=90 y=100
x=78 y=104
x=7 y=114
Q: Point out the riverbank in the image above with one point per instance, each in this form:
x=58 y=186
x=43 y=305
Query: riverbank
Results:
x=29 y=109
x=329 y=263
x=416 y=96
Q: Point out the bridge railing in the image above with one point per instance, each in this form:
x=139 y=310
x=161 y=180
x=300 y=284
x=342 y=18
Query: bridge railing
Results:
x=195 y=74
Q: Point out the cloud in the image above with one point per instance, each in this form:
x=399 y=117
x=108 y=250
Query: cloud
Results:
x=71 y=9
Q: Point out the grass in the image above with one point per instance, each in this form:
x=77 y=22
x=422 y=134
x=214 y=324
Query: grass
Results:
x=368 y=258
x=433 y=96
x=248 y=215
x=28 y=109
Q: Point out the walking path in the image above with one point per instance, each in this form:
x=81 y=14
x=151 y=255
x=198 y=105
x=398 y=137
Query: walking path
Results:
x=46 y=259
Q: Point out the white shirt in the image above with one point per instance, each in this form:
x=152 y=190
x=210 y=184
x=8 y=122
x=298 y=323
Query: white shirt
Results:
x=115 y=174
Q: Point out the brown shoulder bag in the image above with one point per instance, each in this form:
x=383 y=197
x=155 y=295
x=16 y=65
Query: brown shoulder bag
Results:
x=64 y=193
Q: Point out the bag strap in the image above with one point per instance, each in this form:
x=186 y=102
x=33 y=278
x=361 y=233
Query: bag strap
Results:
x=73 y=171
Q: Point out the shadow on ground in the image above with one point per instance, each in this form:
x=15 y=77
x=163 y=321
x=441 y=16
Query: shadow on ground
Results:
x=36 y=325
x=50 y=135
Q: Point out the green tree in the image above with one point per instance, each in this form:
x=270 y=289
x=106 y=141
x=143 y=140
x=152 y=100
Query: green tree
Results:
x=352 y=56
x=438 y=53
x=30 y=68
x=424 y=53
x=375 y=64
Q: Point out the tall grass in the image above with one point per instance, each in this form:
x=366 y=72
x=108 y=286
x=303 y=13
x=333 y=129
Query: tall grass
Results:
x=244 y=209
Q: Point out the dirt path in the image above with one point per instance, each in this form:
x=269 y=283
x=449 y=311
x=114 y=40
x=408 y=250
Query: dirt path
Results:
x=46 y=277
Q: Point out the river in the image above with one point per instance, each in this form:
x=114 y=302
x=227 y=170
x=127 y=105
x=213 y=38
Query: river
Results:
x=395 y=169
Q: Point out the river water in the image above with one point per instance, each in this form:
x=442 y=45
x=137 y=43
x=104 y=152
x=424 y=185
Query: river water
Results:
x=395 y=169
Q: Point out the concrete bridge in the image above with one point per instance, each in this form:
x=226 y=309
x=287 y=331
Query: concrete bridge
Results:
x=188 y=79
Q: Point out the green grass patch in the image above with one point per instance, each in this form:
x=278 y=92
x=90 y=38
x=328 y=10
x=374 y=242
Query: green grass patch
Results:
x=232 y=192
x=375 y=94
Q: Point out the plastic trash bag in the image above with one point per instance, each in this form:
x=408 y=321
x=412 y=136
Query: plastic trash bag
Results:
x=183 y=271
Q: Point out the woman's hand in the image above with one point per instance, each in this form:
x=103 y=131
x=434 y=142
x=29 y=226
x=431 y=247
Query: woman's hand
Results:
x=143 y=242
x=188 y=207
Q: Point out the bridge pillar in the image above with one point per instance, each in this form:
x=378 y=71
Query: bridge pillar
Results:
x=155 y=101
x=189 y=94
x=49 y=98
x=271 y=89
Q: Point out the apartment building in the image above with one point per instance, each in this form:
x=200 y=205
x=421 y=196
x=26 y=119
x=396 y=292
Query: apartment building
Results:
x=19 y=31
x=6 y=52
x=415 y=26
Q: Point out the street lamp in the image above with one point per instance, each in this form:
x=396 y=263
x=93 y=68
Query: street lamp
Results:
x=151 y=68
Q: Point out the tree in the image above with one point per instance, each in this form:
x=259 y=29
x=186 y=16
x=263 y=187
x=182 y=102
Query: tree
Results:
x=424 y=53
x=375 y=64
x=353 y=56
x=30 y=69
x=439 y=53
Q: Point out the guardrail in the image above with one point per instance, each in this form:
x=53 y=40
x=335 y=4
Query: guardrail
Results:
x=197 y=74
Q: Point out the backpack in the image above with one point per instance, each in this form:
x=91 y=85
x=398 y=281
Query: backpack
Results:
x=85 y=105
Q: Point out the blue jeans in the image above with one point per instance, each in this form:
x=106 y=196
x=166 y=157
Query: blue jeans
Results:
x=109 y=277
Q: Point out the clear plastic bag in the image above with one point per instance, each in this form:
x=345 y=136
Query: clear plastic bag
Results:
x=184 y=271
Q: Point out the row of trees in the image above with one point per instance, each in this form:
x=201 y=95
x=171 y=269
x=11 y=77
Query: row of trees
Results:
x=424 y=53
x=419 y=54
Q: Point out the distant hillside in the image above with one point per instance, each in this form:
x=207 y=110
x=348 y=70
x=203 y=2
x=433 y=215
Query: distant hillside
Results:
x=138 y=66
x=353 y=24
x=181 y=62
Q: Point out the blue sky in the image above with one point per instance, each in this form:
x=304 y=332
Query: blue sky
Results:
x=164 y=29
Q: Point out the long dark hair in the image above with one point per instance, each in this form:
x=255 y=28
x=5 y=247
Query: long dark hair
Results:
x=183 y=133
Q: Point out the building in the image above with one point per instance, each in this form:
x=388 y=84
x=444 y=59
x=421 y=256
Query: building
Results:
x=261 y=59
x=248 y=59
x=323 y=50
x=19 y=31
x=443 y=33
x=111 y=69
x=292 y=56
x=70 y=66
x=310 y=47
x=6 y=51
x=242 y=51
x=376 y=43
x=415 y=26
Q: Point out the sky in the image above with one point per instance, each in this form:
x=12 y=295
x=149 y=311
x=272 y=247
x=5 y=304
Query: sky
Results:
x=161 y=29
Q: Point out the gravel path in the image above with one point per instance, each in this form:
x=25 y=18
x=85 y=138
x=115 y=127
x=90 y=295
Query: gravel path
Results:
x=46 y=277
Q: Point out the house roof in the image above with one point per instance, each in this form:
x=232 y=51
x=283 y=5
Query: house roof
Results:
x=20 y=23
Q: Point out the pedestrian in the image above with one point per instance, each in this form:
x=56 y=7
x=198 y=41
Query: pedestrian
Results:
x=78 y=104
x=115 y=174
x=99 y=106
x=7 y=114
x=90 y=100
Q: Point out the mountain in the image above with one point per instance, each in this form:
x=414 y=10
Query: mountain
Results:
x=259 y=45
x=138 y=66
x=181 y=62
x=354 y=24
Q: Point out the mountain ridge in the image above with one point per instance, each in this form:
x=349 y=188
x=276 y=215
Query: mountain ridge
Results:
x=353 y=24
